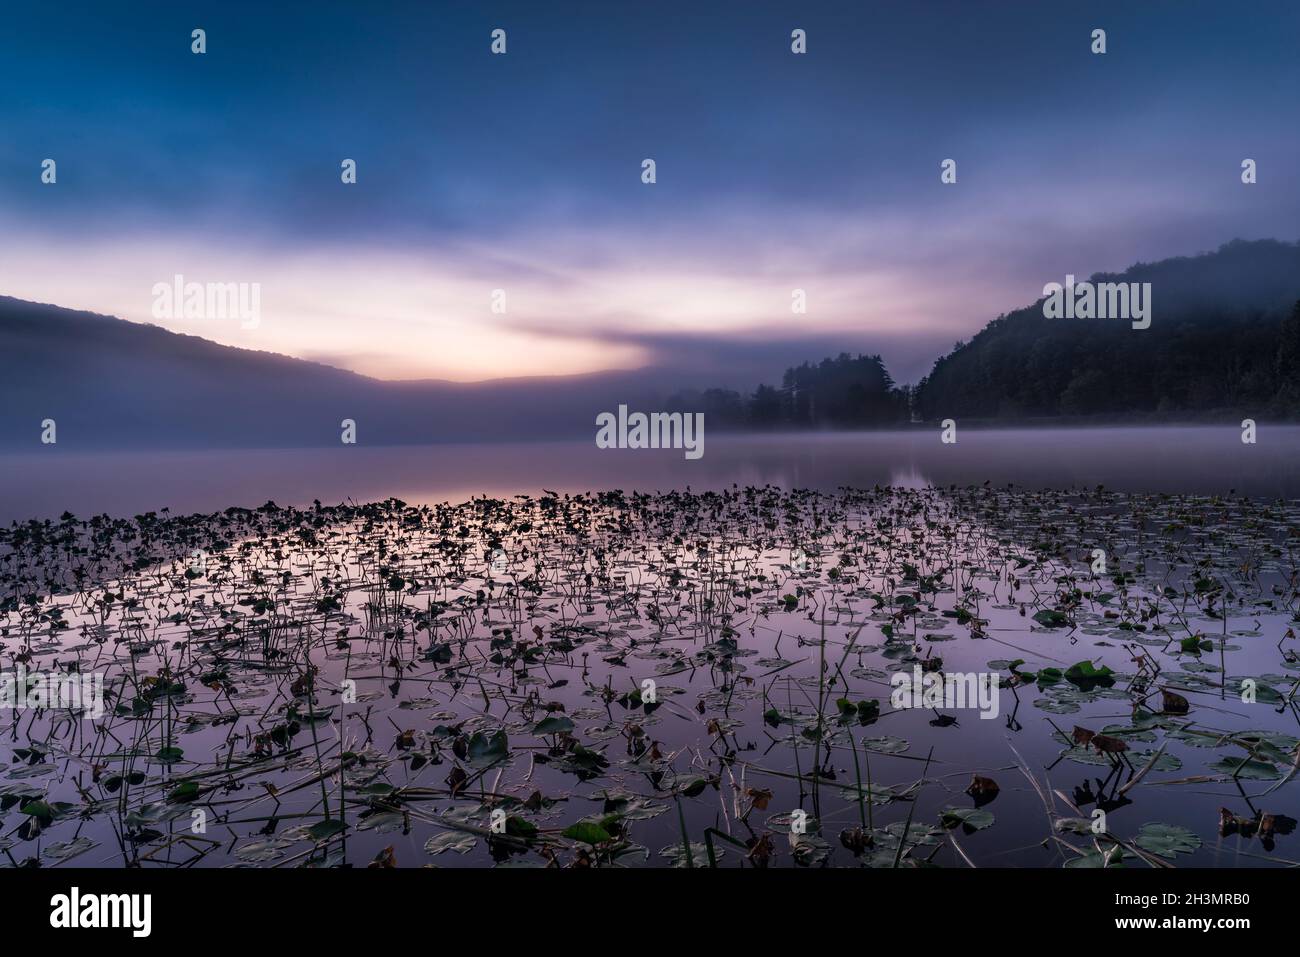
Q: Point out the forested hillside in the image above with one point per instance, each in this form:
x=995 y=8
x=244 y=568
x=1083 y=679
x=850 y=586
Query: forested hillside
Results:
x=1224 y=336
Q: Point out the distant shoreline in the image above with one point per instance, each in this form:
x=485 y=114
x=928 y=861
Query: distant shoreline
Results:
x=1074 y=423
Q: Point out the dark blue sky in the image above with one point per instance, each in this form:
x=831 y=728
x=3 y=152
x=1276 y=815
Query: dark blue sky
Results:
x=521 y=171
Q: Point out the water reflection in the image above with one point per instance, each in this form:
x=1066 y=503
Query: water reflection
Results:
x=1202 y=459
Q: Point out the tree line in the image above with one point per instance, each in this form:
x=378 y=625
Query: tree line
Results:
x=1018 y=368
x=842 y=392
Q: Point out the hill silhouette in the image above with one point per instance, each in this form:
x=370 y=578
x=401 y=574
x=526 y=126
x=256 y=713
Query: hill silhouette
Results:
x=1224 y=336
x=109 y=383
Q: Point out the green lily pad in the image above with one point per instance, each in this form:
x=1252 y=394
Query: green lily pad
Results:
x=1246 y=769
x=462 y=842
x=588 y=832
x=322 y=830
x=971 y=819
x=553 y=724
x=487 y=750
x=1166 y=839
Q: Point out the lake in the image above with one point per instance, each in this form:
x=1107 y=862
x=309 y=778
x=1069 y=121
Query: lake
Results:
x=784 y=673
x=1170 y=459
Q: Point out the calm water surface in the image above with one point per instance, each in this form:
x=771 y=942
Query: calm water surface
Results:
x=1209 y=460
x=350 y=684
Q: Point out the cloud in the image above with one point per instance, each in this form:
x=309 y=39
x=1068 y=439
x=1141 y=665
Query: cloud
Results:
x=709 y=291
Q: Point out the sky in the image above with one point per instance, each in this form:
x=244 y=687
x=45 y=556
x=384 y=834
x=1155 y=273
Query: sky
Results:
x=523 y=172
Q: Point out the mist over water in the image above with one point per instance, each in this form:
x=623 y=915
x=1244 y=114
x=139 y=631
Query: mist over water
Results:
x=1209 y=460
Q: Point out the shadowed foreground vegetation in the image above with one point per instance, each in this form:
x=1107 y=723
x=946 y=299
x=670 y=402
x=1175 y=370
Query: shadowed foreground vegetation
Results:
x=619 y=680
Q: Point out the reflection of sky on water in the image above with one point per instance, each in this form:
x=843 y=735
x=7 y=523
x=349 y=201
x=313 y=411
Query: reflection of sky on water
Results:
x=1203 y=459
x=908 y=477
x=868 y=539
